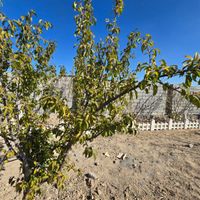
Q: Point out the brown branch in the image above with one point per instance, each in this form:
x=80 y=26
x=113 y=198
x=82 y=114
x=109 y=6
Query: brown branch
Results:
x=106 y=103
x=126 y=91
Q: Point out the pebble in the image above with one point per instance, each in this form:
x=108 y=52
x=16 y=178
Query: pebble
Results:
x=91 y=176
x=191 y=145
x=121 y=156
x=134 y=165
x=107 y=154
x=98 y=191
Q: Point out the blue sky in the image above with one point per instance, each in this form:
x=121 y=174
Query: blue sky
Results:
x=174 y=24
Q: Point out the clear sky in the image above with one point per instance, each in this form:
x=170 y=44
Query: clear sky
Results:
x=174 y=24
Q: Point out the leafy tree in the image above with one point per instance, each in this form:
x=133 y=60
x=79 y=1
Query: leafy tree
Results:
x=102 y=83
x=26 y=82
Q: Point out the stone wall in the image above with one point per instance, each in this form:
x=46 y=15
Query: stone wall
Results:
x=181 y=105
x=65 y=84
x=145 y=104
x=148 y=104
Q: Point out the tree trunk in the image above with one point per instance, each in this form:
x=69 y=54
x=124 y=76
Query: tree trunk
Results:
x=27 y=173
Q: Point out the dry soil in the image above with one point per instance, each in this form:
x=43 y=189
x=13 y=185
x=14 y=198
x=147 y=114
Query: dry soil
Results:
x=163 y=165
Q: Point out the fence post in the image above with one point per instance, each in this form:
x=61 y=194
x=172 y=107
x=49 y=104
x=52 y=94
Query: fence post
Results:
x=186 y=123
x=152 y=124
x=170 y=124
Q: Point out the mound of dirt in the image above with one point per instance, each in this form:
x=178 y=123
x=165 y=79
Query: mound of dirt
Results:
x=152 y=165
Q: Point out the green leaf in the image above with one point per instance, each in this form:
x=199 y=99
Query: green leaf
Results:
x=195 y=100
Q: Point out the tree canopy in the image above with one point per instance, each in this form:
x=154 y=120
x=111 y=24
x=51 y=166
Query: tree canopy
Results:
x=102 y=84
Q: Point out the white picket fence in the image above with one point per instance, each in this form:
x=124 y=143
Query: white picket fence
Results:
x=170 y=125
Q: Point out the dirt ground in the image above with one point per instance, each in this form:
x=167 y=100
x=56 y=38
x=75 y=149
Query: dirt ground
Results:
x=159 y=165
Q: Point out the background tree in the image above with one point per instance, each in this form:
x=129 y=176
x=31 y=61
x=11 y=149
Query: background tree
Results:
x=101 y=85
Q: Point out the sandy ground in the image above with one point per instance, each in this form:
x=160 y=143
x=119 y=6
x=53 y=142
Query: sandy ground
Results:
x=158 y=165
